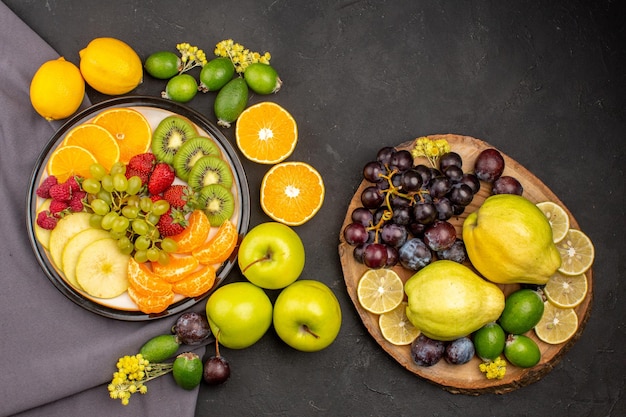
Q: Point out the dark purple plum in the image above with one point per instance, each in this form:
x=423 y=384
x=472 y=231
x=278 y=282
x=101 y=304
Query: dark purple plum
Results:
x=426 y=351
x=414 y=254
x=489 y=165
x=507 y=185
x=456 y=252
x=191 y=328
x=440 y=235
x=459 y=351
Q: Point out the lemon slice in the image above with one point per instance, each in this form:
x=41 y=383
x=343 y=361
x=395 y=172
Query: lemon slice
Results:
x=380 y=290
x=577 y=253
x=396 y=327
x=557 y=325
x=566 y=291
x=558 y=218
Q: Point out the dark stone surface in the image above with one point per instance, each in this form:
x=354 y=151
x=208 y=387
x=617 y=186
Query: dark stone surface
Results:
x=542 y=81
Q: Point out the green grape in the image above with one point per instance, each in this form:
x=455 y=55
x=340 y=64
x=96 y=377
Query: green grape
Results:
x=153 y=254
x=91 y=186
x=169 y=245
x=100 y=206
x=107 y=183
x=130 y=212
x=141 y=256
x=164 y=258
x=120 y=224
x=118 y=168
x=97 y=171
x=133 y=200
x=140 y=227
x=95 y=221
x=120 y=183
x=108 y=219
x=125 y=245
x=142 y=243
x=106 y=196
x=152 y=218
x=145 y=204
x=134 y=185
x=160 y=207
x=116 y=235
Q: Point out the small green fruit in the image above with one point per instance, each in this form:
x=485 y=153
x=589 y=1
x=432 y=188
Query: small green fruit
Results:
x=262 y=78
x=187 y=370
x=231 y=101
x=522 y=351
x=162 y=65
x=181 y=88
x=489 y=341
x=159 y=348
x=522 y=311
x=216 y=74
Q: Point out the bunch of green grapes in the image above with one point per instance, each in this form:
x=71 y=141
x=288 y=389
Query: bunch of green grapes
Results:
x=130 y=217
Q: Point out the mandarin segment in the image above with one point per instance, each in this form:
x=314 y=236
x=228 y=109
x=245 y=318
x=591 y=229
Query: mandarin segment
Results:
x=67 y=161
x=97 y=140
x=144 y=281
x=195 y=234
x=151 y=304
x=219 y=247
x=196 y=283
x=129 y=127
x=177 y=268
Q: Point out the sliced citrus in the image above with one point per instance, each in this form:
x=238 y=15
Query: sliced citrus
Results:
x=196 y=283
x=380 y=290
x=67 y=161
x=396 y=327
x=129 y=127
x=566 y=291
x=195 y=234
x=151 y=304
x=558 y=218
x=219 y=247
x=577 y=253
x=266 y=133
x=292 y=192
x=144 y=281
x=557 y=325
x=97 y=140
x=177 y=268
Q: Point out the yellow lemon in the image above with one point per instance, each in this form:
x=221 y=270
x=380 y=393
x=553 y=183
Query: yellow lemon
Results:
x=57 y=89
x=111 y=66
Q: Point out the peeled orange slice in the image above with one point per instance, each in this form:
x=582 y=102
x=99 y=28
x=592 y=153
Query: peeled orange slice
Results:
x=151 y=304
x=145 y=282
x=219 y=247
x=195 y=234
x=196 y=283
x=176 y=269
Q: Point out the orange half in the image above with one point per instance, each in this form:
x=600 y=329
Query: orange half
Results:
x=129 y=127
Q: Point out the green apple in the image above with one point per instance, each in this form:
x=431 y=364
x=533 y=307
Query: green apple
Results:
x=307 y=315
x=239 y=314
x=271 y=255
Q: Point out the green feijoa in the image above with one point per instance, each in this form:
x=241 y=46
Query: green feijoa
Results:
x=522 y=311
x=522 y=351
x=162 y=65
x=231 y=101
x=160 y=348
x=489 y=341
x=187 y=370
x=216 y=73
x=181 y=88
x=262 y=78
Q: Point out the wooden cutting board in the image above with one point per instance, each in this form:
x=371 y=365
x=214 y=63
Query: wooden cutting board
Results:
x=466 y=379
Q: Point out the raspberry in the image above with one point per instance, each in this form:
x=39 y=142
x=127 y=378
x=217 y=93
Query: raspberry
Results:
x=44 y=189
x=76 y=202
x=73 y=184
x=57 y=206
x=46 y=221
x=62 y=192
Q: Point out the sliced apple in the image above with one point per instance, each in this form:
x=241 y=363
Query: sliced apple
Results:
x=73 y=249
x=65 y=229
x=43 y=235
x=102 y=270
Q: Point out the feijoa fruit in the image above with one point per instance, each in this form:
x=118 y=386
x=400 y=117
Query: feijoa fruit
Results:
x=262 y=78
x=160 y=348
x=187 y=370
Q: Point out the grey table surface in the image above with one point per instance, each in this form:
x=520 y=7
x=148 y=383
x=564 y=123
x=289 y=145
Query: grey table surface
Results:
x=543 y=81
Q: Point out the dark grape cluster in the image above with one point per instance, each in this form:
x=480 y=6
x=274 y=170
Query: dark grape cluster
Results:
x=405 y=210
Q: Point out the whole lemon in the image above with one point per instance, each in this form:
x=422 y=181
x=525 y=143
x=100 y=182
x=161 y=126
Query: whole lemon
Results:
x=111 y=66
x=57 y=89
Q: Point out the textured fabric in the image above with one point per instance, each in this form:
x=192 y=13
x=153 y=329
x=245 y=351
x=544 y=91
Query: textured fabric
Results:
x=57 y=357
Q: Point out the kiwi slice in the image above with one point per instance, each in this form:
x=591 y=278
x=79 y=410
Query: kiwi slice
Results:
x=218 y=203
x=190 y=151
x=210 y=170
x=169 y=136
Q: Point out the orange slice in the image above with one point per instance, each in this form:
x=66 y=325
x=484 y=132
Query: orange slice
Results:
x=151 y=304
x=67 y=161
x=219 y=247
x=97 y=140
x=177 y=268
x=145 y=282
x=129 y=127
x=196 y=283
x=195 y=234
x=266 y=133
x=292 y=192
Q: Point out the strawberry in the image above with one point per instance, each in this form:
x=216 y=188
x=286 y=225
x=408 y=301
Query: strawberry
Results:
x=62 y=192
x=178 y=195
x=161 y=178
x=143 y=162
x=132 y=172
x=46 y=221
x=43 y=190
x=171 y=223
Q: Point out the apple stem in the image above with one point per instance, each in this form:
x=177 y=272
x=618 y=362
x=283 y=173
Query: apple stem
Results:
x=306 y=329
x=265 y=258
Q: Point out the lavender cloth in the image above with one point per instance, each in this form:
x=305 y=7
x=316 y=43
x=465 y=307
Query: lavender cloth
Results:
x=57 y=358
